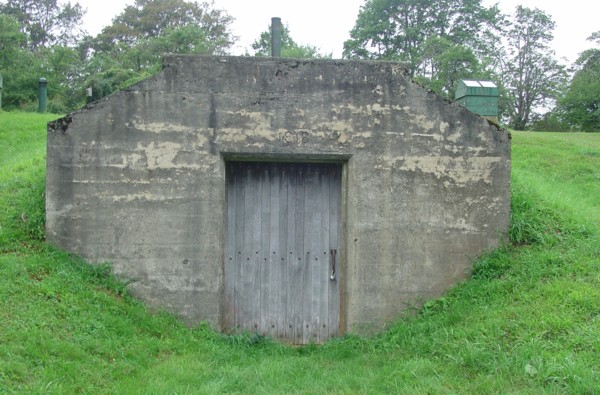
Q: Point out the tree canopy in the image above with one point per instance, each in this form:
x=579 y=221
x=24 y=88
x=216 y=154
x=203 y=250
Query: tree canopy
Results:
x=399 y=29
x=289 y=47
x=46 y=22
x=16 y=64
x=44 y=38
x=532 y=75
x=148 y=19
x=442 y=42
x=579 y=107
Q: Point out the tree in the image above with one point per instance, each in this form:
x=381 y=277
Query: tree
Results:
x=146 y=53
x=399 y=29
x=46 y=22
x=17 y=65
x=132 y=47
x=105 y=75
x=580 y=105
x=289 y=48
x=446 y=64
x=531 y=74
x=62 y=66
x=155 y=18
x=11 y=39
x=38 y=40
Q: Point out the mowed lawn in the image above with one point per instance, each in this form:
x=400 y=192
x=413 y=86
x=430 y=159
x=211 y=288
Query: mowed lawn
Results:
x=527 y=322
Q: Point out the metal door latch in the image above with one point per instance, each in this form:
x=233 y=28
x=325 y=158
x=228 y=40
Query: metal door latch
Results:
x=333 y=254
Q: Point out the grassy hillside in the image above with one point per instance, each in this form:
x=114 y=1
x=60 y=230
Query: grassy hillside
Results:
x=527 y=322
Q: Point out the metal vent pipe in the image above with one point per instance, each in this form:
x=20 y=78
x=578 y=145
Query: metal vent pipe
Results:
x=276 y=37
x=42 y=94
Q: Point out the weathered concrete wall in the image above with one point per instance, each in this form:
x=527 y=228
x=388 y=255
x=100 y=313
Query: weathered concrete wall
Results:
x=138 y=179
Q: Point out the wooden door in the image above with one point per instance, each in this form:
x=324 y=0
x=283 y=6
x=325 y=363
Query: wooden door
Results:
x=281 y=271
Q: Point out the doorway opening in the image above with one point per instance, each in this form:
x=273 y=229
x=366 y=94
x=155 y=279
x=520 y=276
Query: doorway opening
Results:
x=282 y=250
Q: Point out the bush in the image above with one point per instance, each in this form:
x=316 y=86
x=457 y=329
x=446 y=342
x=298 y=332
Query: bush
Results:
x=550 y=122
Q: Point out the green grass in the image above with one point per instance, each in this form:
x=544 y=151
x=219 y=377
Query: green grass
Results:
x=22 y=138
x=563 y=168
x=527 y=322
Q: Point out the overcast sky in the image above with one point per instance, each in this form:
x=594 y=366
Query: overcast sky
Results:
x=326 y=24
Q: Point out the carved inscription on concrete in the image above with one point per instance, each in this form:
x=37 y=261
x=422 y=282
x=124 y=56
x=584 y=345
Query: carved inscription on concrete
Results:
x=293 y=138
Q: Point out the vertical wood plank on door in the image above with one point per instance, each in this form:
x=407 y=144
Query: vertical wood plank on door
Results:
x=239 y=245
x=229 y=262
x=335 y=191
x=275 y=280
x=255 y=296
x=325 y=269
x=292 y=257
x=312 y=232
x=267 y=322
x=246 y=319
x=283 y=258
x=297 y=274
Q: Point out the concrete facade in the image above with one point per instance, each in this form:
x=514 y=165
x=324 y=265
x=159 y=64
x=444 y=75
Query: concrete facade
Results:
x=138 y=178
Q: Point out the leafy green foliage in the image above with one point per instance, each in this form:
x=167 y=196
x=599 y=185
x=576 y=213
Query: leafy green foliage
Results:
x=580 y=105
x=447 y=65
x=23 y=62
x=11 y=38
x=399 y=30
x=289 y=48
x=43 y=38
x=131 y=48
x=532 y=76
x=443 y=42
x=16 y=64
x=46 y=22
x=156 y=18
x=551 y=121
x=152 y=25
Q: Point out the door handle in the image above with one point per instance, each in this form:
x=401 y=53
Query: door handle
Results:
x=333 y=254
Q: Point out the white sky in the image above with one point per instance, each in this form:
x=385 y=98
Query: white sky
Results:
x=326 y=24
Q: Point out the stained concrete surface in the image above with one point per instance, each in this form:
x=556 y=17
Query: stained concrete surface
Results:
x=137 y=179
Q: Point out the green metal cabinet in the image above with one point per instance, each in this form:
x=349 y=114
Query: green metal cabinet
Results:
x=480 y=97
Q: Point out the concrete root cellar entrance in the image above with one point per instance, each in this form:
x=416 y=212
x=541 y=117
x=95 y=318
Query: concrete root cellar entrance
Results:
x=282 y=250
x=223 y=189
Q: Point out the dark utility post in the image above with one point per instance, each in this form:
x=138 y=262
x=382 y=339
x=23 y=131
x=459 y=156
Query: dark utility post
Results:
x=0 y=91
x=43 y=94
x=276 y=37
